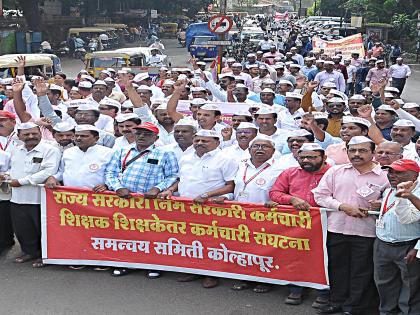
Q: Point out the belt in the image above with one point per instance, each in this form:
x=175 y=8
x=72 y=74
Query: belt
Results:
x=397 y=244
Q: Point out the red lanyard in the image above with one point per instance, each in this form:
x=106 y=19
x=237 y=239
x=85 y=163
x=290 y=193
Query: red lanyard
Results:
x=124 y=162
x=246 y=182
x=386 y=208
x=9 y=140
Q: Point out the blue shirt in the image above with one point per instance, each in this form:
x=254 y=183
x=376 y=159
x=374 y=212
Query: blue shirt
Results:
x=278 y=99
x=312 y=74
x=156 y=168
x=393 y=230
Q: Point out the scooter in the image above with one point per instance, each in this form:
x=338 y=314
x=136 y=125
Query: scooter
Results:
x=79 y=53
x=93 y=45
x=63 y=49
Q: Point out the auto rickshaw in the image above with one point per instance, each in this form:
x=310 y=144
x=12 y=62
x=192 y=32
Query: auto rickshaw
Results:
x=35 y=64
x=86 y=33
x=169 y=30
x=120 y=29
x=153 y=71
x=101 y=60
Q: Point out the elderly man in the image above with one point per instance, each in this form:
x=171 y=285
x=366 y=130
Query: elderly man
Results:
x=293 y=187
x=31 y=163
x=402 y=132
x=388 y=152
x=184 y=132
x=347 y=189
x=253 y=181
x=142 y=168
x=331 y=75
x=397 y=271
x=204 y=173
x=245 y=133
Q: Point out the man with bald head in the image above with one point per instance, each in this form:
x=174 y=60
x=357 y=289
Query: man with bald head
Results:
x=388 y=152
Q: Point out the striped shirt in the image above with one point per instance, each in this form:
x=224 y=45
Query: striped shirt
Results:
x=156 y=168
x=401 y=222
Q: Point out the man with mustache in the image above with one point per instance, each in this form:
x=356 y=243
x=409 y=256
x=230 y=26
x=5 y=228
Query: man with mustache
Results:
x=397 y=270
x=347 y=189
x=63 y=134
x=184 y=132
x=293 y=187
x=402 y=132
x=295 y=140
x=204 y=173
x=142 y=167
x=31 y=163
x=126 y=124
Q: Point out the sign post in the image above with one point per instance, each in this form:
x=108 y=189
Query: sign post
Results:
x=220 y=24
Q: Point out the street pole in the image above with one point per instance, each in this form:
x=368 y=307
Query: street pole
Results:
x=315 y=8
x=223 y=7
x=300 y=8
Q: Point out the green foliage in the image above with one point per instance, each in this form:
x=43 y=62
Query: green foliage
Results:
x=403 y=27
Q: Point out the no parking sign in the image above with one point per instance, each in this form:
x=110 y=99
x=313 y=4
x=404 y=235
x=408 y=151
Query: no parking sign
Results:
x=220 y=24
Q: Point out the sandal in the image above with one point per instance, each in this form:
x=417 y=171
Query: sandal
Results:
x=24 y=258
x=38 y=264
x=243 y=285
x=263 y=288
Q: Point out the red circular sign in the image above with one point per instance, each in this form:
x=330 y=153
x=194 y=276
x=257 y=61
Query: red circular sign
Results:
x=220 y=24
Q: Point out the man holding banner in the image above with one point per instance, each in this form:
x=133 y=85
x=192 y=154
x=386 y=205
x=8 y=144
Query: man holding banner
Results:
x=348 y=188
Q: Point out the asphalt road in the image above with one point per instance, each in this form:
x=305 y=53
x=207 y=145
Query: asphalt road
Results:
x=58 y=290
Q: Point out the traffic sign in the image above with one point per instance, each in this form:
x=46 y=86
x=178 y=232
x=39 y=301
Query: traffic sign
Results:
x=219 y=42
x=220 y=24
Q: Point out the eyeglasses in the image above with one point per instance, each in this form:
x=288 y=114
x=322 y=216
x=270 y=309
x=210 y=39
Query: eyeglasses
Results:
x=291 y=140
x=386 y=153
x=261 y=146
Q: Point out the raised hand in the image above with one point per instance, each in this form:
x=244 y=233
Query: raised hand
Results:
x=405 y=189
x=41 y=87
x=18 y=85
x=365 y=111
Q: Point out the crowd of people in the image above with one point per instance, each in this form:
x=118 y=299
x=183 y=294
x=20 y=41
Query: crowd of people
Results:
x=309 y=134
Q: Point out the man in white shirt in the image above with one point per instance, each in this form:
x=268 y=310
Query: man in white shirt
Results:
x=266 y=119
x=31 y=164
x=245 y=133
x=126 y=124
x=7 y=131
x=184 y=132
x=290 y=118
x=204 y=173
x=265 y=44
x=399 y=72
x=351 y=73
x=297 y=57
x=155 y=59
x=84 y=164
x=402 y=132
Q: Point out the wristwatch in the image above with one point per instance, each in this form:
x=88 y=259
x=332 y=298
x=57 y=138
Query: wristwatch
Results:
x=204 y=196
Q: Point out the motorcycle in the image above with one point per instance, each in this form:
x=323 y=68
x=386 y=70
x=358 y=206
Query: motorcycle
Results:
x=63 y=49
x=93 y=45
x=79 y=53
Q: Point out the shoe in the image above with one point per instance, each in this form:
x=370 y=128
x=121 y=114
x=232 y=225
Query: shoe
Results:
x=210 y=282
x=119 y=272
x=188 y=278
x=153 y=274
x=293 y=299
x=329 y=309
x=319 y=302
x=347 y=313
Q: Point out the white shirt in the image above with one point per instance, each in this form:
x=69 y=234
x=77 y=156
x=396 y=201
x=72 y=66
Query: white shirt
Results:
x=399 y=72
x=156 y=93
x=289 y=121
x=256 y=191
x=266 y=44
x=120 y=142
x=176 y=149
x=351 y=71
x=280 y=139
x=146 y=115
x=198 y=175
x=410 y=151
x=4 y=167
x=84 y=169
x=32 y=168
x=235 y=152
x=287 y=161
x=8 y=143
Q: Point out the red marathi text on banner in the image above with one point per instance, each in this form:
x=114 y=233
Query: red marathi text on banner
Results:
x=346 y=45
x=232 y=240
